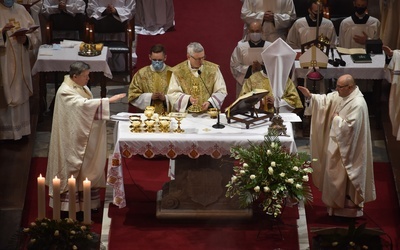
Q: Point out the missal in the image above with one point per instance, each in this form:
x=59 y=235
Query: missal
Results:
x=361 y=58
x=246 y=102
x=24 y=31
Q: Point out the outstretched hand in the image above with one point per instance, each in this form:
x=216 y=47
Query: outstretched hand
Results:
x=305 y=91
x=115 y=98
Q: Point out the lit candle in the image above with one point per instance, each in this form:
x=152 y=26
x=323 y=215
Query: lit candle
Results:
x=86 y=202
x=41 y=197
x=72 y=197
x=56 y=199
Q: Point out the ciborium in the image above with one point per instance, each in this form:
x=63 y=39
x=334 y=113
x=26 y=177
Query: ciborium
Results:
x=150 y=125
x=136 y=122
x=149 y=111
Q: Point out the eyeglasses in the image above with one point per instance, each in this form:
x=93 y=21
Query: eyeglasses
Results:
x=340 y=87
x=199 y=59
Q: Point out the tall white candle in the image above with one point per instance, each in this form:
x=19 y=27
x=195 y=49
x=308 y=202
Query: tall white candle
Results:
x=86 y=202
x=56 y=199
x=72 y=197
x=41 y=197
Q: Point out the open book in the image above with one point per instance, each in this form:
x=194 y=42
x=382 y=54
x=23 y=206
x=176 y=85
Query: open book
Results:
x=246 y=102
x=350 y=51
x=24 y=31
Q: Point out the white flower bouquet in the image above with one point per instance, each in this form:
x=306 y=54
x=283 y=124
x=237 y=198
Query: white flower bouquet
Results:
x=269 y=174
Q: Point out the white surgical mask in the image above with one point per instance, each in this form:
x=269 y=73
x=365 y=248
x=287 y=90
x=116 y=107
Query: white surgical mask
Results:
x=255 y=37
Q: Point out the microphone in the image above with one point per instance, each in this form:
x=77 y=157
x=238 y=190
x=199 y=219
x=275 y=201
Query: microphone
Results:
x=218 y=124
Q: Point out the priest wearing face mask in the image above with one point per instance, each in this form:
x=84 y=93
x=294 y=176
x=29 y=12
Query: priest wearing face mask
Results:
x=150 y=84
x=356 y=29
x=15 y=70
x=196 y=81
x=305 y=29
x=246 y=57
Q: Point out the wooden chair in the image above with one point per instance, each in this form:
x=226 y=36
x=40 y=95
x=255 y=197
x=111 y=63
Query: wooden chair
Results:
x=109 y=26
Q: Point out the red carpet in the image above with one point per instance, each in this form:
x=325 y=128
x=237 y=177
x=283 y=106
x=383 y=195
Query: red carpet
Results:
x=136 y=227
x=383 y=213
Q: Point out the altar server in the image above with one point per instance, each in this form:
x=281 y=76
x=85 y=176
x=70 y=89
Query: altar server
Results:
x=304 y=30
x=276 y=17
x=356 y=29
x=15 y=70
x=341 y=142
x=246 y=57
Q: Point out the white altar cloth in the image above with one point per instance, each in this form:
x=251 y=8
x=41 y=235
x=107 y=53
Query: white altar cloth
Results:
x=59 y=60
x=368 y=71
x=199 y=138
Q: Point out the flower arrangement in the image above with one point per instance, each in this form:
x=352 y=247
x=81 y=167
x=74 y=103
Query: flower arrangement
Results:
x=268 y=173
x=60 y=234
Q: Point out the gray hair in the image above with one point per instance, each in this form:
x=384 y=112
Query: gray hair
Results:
x=77 y=68
x=194 y=48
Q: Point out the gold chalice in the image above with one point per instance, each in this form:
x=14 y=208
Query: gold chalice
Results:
x=135 y=126
x=150 y=124
x=149 y=111
x=178 y=117
x=213 y=112
x=164 y=123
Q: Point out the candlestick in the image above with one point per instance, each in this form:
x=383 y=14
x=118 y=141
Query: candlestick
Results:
x=86 y=202
x=72 y=197
x=56 y=199
x=41 y=197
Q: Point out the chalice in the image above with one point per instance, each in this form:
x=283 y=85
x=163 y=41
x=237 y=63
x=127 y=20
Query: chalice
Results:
x=150 y=125
x=135 y=123
x=149 y=111
x=178 y=117
x=164 y=124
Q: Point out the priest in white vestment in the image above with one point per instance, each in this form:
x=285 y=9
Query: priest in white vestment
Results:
x=15 y=70
x=276 y=17
x=196 y=81
x=304 y=30
x=341 y=142
x=78 y=144
x=394 y=96
x=149 y=85
x=246 y=57
x=356 y=29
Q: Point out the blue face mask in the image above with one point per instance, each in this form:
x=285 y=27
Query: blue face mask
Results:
x=8 y=3
x=157 y=65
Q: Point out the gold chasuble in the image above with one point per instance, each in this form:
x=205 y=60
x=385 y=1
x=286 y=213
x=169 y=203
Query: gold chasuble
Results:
x=259 y=81
x=187 y=80
x=147 y=80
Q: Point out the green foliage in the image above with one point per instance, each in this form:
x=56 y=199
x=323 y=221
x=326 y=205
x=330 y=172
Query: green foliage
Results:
x=63 y=234
x=267 y=172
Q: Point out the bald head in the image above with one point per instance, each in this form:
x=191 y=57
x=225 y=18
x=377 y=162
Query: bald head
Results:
x=347 y=80
x=255 y=27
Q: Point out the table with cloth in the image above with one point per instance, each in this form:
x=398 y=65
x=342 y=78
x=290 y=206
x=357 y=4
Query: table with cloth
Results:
x=200 y=157
x=59 y=58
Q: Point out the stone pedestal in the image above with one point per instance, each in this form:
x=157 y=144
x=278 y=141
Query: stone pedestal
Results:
x=198 y=191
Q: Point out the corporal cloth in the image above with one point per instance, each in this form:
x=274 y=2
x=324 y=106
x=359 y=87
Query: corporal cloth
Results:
x=78 y=144
x=394 y=97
